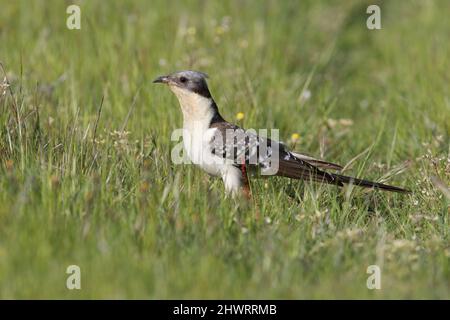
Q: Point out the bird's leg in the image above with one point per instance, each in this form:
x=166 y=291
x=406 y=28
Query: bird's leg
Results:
x=246 y=188
x=245 y=184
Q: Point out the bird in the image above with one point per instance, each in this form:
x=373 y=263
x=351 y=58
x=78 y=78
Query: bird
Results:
x=225 y=150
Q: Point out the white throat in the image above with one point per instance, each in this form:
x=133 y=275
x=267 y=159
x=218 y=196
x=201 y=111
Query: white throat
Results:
x=197 y=110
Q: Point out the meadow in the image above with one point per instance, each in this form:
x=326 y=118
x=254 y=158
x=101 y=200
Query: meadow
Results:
x=86 y=176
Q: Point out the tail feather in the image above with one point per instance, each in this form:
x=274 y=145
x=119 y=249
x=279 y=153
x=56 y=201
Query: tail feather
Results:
x=322 y=164
x=305 y=171
x=368 y=184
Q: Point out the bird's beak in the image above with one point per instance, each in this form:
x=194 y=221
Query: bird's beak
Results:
x=162 y=79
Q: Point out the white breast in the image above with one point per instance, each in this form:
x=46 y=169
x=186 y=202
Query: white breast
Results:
x=196 y=143
x=197 y=115
x=197 y=135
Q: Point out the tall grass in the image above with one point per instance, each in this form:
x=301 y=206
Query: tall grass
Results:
x=86 y=176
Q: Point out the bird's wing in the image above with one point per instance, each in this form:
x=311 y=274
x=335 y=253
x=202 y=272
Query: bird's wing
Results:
x=233 y=143
x=245 y=147
x=322 y=164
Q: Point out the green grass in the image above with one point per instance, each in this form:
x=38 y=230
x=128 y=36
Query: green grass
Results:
x=74 y=189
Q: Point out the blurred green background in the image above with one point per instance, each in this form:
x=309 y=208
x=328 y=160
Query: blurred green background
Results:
x=86 y=176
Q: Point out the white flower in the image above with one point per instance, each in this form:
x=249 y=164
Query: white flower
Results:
x=4 y=86
x=305 y=95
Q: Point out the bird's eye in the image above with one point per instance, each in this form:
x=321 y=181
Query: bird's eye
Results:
x=183 y=79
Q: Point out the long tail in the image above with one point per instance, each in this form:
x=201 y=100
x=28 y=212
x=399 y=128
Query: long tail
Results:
x=300 y=169
x=367 y=184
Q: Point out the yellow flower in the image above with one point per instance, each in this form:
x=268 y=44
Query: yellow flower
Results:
x=144 y=187
x=243 y=43
x=240 y=115
x=295 y=137
x=191 y=31
x=220 y=30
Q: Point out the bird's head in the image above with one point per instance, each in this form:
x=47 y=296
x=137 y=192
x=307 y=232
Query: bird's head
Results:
x=186 y=83
x=192 y=91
